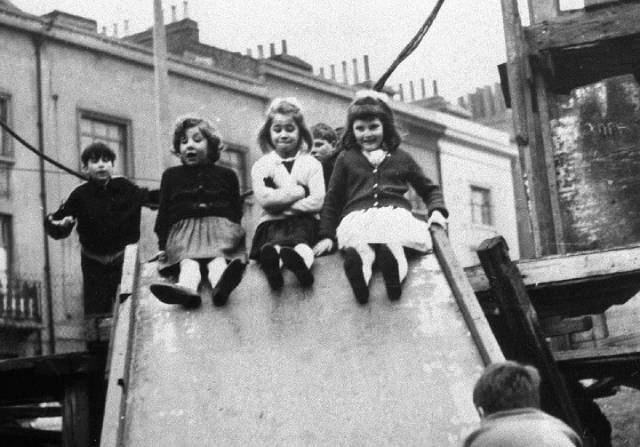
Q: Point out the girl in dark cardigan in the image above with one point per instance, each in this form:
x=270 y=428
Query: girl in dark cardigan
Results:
x=366 y=209
x=199 y=218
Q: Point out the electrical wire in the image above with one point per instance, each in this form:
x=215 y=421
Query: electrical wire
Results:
x=409 y=48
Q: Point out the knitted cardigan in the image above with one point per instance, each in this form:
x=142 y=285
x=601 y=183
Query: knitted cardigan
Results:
x=357 y=185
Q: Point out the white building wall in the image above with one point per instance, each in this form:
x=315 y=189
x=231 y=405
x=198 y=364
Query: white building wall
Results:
x=466 y=166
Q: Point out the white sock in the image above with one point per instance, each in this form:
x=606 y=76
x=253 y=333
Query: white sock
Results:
x=216 y=267
x=398 y=252
x=189 y=274
x=306 y=253
x=368 y=255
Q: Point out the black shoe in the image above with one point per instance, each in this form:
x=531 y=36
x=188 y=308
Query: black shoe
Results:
x=228 y=281
x=174 y=294
x=389 y=266
x=270 y=263
x=353 y=270
x=294 y=262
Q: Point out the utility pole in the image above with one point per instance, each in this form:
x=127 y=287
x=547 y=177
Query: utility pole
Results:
x=161 y=85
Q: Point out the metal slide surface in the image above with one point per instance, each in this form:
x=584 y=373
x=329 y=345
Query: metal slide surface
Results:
x=303 y=368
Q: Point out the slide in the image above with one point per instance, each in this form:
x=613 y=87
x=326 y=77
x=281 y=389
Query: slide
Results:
x=301 y=367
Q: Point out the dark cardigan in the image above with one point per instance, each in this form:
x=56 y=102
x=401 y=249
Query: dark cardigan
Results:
x=357 y=185
x=108 y=215
x=196 y=191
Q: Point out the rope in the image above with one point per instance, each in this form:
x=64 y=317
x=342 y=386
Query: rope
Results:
x=39 y=153
x=411 y=46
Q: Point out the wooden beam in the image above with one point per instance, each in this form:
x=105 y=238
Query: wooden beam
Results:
x=592 y=26
x=30 y=411
x=467 y=302
x=566 y=268
x=76 y=413
x=522 y=321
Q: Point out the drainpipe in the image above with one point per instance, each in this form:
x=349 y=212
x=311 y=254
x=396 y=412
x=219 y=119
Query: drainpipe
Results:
x=37 y=43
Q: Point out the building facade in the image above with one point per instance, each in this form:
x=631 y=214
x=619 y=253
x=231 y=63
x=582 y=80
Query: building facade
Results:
x=67 y=85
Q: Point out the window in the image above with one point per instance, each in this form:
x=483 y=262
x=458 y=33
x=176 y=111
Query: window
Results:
x=5 y=138
x=234 y=157
x=112 y=132
x=481 y=211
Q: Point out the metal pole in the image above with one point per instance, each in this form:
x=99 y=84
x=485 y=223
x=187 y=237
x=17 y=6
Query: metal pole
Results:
x=161 y=82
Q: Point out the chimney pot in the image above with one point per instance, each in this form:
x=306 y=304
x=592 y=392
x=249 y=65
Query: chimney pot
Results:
x=345 y=80
x=174 y=16
x=260 y=52
x=333 y=72
x=367 y=76
x=272 y=49
x=104 y=30
x=322 y=72
x=126 y=27
x=284 y=46
x=435 y=88
x=115 y=30
x=412 y=91
x=355 y=71
x=423 y=88
x=185 y=9
x=401 y=92
x=249 y=52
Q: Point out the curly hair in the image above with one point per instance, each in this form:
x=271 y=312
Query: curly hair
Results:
x=214 y=141
x=369 y=108
x=284 y=106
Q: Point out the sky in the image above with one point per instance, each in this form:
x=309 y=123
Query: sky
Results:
x=461 y=50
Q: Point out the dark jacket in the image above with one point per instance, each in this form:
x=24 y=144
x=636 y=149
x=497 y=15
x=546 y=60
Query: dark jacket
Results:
x=196 y=191
x=108 y=216
x=327 y=167
x=356 y=185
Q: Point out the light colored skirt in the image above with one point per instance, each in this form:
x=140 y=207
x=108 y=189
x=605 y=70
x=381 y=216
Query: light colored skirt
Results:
x=204 y=238
x=387 y=225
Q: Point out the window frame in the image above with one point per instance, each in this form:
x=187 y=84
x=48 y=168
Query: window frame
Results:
x=127 y=157
x=487 y=203
x=243 y=177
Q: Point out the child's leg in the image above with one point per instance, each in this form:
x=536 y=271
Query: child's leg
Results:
x=357 y=266
x=299 y=260
x=271 y=264
x=393 y=264
x=185 y=291
x=224 y=278
x=189 y=274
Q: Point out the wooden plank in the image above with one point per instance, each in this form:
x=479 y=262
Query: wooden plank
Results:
x=129 y=270
x=30 y=411
x=565 y=268
x=465 y=297
x=555 y=326
x=541 y=10
x=592 y=26
x=522 y=321
x=601 y=352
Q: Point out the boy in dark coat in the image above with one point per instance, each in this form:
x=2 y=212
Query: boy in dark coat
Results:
x=107 y=210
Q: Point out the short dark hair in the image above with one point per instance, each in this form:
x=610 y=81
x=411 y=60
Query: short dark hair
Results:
x=95 y=151
x=214 y=141
x=506 y=386
x=369 y=108
x=325 y=132
x=284 y=106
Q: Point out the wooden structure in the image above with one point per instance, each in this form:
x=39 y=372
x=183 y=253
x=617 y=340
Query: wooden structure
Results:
x=571 y=87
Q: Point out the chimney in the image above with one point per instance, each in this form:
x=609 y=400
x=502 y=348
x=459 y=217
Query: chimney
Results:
x=401 y=92
x=185 y=9
x=435 y=88
x=333 y=72
x=367 y=76
x=260 y=52
x=249 y=52
x=126 y=27
x=115 y=30
x=284 y=46
x=322 y=72
x=174 y=15
x=355 y=71
x=423 y=87
x=412 y=91
x=104 y=30
x=272 y=49
x=345 y=80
